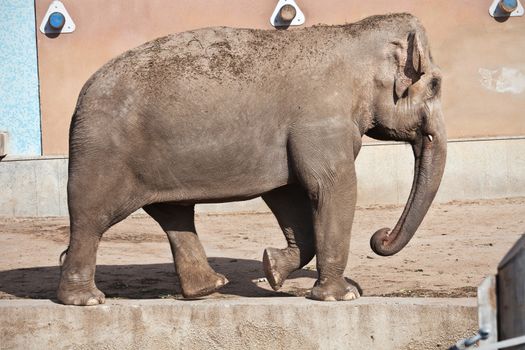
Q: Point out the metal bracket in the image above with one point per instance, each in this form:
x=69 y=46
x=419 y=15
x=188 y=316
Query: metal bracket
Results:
x=278 y=21
x=61 y=21
x=495 y=10
x=487 y=310
x=4 y=143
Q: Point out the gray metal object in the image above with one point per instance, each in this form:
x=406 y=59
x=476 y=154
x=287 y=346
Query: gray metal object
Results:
x=57 y=20
x=287 y=13
x=501 y=305
x=505 y=344
x=284 y=16
x=488 y=309
x=511 y=293
x=499 y=8
x=470 y=342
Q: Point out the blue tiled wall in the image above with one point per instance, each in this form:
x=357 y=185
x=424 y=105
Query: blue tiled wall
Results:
x=19 y=101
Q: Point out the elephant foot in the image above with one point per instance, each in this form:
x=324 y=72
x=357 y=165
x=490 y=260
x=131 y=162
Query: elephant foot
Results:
x=195 y=285
x=80 y=294
x=333 y=290
x=278 y=264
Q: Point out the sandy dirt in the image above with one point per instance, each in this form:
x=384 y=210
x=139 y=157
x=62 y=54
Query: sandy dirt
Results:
x=457 y=245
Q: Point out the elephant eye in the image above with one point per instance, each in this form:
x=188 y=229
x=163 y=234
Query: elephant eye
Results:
x=434 y=85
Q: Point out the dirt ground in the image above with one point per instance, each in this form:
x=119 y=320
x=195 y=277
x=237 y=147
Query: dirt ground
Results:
x=457 y=245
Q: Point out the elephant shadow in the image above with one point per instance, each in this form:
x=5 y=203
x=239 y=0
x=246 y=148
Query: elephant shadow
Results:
x=147 y=281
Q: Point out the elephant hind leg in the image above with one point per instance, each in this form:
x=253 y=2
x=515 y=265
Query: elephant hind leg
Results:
x=77 y=274
x=196 y=276
x=92 y=211
x=291 y=206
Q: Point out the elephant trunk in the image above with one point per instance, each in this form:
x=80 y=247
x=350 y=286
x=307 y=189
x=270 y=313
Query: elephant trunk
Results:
x=430 y=154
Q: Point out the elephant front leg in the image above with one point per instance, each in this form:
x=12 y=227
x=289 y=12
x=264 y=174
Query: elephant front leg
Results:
x=333 y=216
x=323 y=162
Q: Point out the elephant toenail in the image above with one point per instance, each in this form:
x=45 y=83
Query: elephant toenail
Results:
x=92 y=301
x=350 y=296
x=221 y=282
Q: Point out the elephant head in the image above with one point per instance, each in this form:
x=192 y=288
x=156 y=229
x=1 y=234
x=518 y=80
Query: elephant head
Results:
x=408 y=108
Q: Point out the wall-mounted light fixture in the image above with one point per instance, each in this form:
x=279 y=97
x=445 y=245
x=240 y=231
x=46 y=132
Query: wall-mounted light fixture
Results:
x=506 y=8
x=57 y=20
x=287 y=13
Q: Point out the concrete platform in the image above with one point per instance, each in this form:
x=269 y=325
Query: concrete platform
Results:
x=248 y=323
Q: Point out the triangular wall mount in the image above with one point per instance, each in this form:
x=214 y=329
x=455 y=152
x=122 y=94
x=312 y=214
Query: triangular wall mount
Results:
x=276 y=20
x=496 y=11
x=69 y=25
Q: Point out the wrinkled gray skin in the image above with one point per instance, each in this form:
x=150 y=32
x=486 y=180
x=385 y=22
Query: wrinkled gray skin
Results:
x=221 y=114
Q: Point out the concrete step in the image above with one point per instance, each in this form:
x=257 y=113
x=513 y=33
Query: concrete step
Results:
x=241 y=323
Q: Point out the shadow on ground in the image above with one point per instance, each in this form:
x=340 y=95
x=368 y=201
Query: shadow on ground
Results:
x=151 y=281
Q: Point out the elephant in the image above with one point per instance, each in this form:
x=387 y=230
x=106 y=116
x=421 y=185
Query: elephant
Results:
x=222 y=114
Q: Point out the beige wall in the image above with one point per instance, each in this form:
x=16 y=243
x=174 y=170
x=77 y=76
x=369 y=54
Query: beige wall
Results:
x=483 y=60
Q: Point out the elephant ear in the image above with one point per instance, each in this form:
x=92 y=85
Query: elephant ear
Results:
x=411 y=64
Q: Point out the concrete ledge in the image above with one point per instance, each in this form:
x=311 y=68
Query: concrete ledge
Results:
x=254 y=323
x=476 y=169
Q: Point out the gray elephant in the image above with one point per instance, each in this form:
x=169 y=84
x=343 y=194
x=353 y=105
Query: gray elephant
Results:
x=221 y=114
